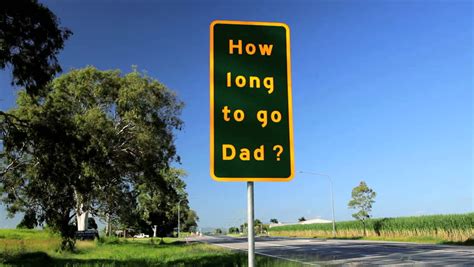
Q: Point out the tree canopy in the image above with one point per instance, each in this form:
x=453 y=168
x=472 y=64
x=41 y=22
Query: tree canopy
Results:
x=31 y=39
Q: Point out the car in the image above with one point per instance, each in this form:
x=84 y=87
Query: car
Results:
x=142 y=235
x=89 y=234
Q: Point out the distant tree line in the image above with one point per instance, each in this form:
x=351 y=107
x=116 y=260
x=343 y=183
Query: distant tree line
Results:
x=259 y=228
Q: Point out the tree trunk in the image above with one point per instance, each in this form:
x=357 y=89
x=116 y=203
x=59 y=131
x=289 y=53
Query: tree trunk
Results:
x=365 y=232
x=82 y=213
x=108 y=230
x=68 y=233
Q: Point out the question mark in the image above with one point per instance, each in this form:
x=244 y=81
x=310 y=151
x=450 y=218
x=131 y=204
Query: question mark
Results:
x=280 y=150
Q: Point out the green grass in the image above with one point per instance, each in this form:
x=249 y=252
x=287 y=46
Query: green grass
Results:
x=445 y=229
x=39 y=248
x=24 y=234
x=236 y=235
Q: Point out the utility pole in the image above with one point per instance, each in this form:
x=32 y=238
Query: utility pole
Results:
x=179 y=219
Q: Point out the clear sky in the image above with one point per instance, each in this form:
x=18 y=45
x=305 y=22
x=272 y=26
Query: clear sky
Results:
x=382 y=92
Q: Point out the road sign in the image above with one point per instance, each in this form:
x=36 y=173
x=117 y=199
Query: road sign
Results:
x=250 y=97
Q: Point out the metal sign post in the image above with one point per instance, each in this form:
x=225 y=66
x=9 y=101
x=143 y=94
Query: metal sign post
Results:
x=250 y=226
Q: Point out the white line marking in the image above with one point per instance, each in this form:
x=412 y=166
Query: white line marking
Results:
x=274 y=244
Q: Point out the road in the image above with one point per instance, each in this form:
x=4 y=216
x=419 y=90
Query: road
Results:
x=351 y=252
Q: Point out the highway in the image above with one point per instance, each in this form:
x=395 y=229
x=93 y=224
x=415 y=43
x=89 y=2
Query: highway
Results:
x=317 y=252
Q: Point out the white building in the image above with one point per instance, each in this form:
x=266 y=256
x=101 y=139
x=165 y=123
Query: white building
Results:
x=310 y=221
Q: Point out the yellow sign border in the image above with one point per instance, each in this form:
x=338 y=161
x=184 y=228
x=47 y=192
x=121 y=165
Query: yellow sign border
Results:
x=290 y=107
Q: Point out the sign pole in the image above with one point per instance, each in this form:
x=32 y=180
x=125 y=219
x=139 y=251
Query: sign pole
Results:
x=250 y=226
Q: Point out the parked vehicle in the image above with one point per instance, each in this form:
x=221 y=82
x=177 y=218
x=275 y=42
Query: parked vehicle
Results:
x=89 y=234
x=141 y=235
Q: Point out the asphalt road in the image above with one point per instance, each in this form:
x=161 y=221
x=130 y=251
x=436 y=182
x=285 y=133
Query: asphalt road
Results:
x=351 y=252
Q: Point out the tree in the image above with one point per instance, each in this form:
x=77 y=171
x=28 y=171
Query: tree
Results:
x=301 y=219
x=29 y=220
x=30 y=42
x=218 y=231
x=159 y=205
x=243 y=227
x=190 y=221
x=273 y=221
x=362 y=199
x=96 y=140
x=257 y=224
x=233 y=230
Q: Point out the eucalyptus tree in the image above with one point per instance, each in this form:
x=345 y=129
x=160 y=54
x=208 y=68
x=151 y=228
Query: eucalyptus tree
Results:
x=97 y=138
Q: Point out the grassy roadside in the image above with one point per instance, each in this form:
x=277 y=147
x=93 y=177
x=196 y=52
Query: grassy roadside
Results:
x=38 y=248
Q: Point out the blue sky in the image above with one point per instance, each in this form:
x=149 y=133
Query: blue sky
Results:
x=382 y=92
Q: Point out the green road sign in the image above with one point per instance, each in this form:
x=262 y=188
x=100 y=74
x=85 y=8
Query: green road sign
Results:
x=251 y=113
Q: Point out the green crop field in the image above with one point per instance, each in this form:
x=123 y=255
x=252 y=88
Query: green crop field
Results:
x=39 y=248
x=455 y=228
